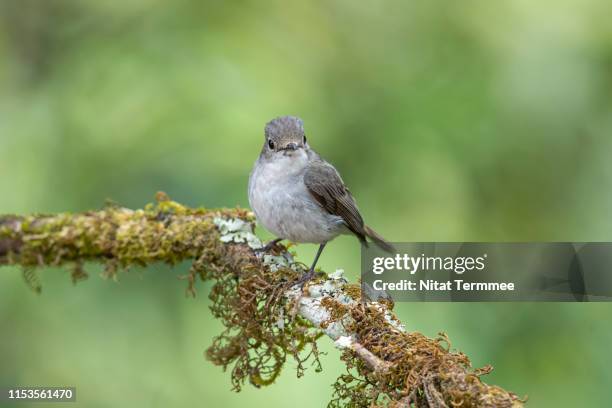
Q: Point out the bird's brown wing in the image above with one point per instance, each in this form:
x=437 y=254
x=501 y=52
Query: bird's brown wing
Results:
x=326 y=186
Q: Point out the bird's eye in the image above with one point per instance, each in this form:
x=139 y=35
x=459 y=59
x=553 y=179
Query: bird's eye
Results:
x=304 y=139
x=270 y=144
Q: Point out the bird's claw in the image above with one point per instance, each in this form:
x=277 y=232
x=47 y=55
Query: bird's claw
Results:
x=301 y=283
x=268 y=246
x=304 y=279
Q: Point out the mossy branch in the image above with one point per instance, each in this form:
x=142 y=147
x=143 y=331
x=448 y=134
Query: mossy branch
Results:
x=267 y=319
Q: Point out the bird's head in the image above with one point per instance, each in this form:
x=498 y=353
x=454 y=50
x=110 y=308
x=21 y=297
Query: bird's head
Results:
x=284 y=137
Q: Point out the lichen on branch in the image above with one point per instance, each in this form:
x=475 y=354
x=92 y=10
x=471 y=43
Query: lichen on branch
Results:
x=267 y=319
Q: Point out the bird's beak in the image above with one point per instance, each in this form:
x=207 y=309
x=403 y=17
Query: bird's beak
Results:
x=291 y=146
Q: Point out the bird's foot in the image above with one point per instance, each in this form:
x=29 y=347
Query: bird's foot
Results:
x=301 y=282
x=305 y=278
x=268 y=246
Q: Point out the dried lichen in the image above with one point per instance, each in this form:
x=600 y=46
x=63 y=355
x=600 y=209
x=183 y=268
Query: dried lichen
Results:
x=419 y=371
x=261 y=331
x=267 y=319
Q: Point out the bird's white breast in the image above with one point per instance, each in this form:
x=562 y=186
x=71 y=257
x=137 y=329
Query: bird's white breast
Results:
x=283 y=204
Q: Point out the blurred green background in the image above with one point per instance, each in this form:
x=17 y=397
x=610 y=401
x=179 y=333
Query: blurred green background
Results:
x=450 y=121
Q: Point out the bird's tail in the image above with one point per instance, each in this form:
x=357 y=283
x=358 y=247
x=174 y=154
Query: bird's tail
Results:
x=378 y=240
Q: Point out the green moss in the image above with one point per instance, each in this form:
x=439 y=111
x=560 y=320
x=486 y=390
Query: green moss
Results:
x=119 y=238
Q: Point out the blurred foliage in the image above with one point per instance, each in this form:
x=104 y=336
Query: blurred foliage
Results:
x=471 y=120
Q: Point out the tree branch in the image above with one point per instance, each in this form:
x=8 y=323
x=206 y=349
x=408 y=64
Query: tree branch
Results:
x=267 y=319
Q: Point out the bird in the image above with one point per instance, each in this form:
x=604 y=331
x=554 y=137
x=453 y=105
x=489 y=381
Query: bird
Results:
x=297 y=195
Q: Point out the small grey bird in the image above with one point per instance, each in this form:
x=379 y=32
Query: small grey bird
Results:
x=298 y=196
